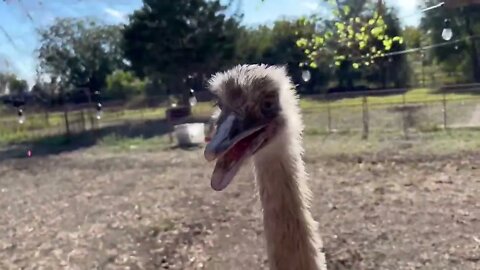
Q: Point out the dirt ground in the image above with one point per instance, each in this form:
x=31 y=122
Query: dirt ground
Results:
x=154 y=209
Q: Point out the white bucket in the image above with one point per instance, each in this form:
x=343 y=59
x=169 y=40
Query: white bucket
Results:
x=190 y=134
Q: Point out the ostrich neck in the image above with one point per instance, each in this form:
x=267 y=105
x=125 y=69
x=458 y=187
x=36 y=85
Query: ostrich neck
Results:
x=291 y=233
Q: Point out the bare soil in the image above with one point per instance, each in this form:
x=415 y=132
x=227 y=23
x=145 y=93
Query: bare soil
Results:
x=140 y=209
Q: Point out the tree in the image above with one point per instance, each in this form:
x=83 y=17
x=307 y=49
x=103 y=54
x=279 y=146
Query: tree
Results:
x=18 y=86
x=15 y=85
x=253 y=43
x=463 y=56
x=123 y=85
x=175 y=39
x=350 y=35
x=80 y=52
x=358 y=36
x=412 y=36
x=4 y=83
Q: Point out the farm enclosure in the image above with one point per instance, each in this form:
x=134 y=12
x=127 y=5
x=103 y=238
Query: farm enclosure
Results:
x=129 y=203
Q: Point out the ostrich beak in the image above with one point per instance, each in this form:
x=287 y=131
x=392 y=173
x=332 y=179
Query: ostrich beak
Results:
x=233 y=142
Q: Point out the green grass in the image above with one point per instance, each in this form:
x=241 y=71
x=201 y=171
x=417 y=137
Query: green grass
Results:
x=418 y=95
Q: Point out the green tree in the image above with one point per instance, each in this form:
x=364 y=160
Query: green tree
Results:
x=15 y=85
x=349 y=37
x=253 y=43
x=463 y=56
x=284 y=50
x=175 y=39
x=123 y=85
x=276 y=45
x=81 y=53
x=412 y=36
x=4 y=81
x=18 y=86
x=358 y=36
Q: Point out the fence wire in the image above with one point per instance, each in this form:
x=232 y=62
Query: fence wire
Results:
x=374 y=112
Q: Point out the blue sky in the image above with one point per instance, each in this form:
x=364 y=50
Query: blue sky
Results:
x=20 y=18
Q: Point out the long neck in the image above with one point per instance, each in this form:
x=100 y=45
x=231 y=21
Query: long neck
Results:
x=291 y=233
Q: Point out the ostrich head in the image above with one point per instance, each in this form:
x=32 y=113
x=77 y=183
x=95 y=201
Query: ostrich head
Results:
x=258 y=110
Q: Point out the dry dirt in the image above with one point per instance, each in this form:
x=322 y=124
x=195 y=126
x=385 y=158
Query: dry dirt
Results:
x=101 y=209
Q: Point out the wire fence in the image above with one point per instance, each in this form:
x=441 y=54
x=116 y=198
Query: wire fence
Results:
x=398 y=111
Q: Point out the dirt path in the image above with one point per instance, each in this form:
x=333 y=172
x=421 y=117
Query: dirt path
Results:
x=98 y=209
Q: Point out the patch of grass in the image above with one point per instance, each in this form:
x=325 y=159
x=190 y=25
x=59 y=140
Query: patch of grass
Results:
x=413 y=96
x=434 y=142
x=310 y=131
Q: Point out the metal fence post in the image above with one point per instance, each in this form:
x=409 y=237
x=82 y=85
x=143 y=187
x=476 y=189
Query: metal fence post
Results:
x=329 y=117
x=47 y=118
x=365 y=118
x=404 y=117
x=82 y=114
x=444 y=101
x=67 y=123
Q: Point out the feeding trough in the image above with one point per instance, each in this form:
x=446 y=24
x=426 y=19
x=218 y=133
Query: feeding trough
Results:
x=190 y=134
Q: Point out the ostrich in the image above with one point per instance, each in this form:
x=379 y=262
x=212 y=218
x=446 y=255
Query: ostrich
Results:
x=260 y=118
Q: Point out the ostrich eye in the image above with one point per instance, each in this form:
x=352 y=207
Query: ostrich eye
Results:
x=267 y=105
x=269 y=108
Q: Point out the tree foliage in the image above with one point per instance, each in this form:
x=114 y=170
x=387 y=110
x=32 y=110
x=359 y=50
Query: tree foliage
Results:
x=179 y=38
x=355 y=36
x=462 y=56
x=123 y=85
x=80 y=52
x=412 y=36
x=15 y=85
x=169 y=47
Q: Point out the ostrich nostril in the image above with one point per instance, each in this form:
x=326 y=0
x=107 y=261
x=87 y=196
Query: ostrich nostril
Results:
x=209 y=155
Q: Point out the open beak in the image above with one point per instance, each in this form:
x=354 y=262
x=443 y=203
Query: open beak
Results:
x=233 y=142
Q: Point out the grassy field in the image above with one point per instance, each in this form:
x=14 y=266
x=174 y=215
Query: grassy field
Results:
x=342 y=109
x=420 y=95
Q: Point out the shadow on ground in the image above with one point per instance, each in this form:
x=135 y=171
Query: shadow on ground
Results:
x=470 y=89
x=57 y=144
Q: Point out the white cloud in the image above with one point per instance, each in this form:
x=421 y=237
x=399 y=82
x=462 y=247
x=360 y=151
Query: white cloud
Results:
x=116 y=14
x=311 y=5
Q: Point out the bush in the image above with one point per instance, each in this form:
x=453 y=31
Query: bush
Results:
x=122 y=85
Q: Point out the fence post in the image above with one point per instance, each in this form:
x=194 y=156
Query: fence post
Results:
x=67 y=124
x=329 y=117
x=404 y=117
x=444 y=101
x=47 y=118
x=84 y=125
x=365 y=118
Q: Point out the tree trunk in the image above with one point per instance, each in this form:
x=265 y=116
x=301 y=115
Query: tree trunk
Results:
x=473 y=48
